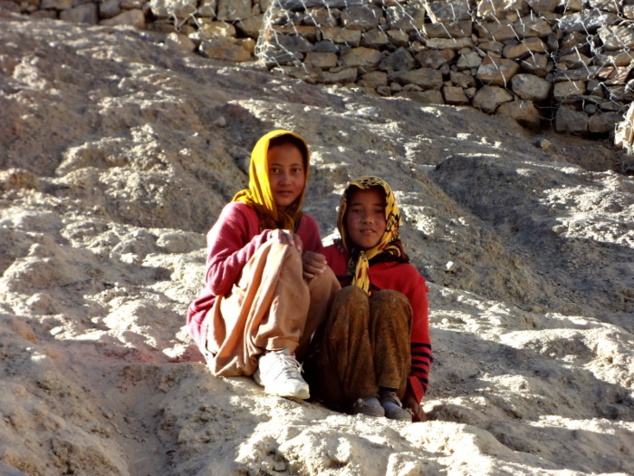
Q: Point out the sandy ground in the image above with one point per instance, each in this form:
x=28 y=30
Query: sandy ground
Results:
x=116 y=156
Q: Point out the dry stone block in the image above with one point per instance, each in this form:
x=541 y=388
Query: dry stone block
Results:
x=454 y=95
x=616 y=58
x=461 y=79
x=339 y=76
x=574 y=41
x=233 y=10
x=409 y=17
x=493 y=9
x=529 y=27
x=321 y=60
x=228 y=49
x=301 y=72
x=179 y=43
x=605 y=5
x=490 y=46
x=505 y=30
x=447 y=11
x=373 y=80
x=400 y=60
x=398 y=37
x=364 y=17
x=525 y=48
x=320 y=17
x=449 y=43
x=173 y=8
x=425 y=78
x=604 y=122
x=251 y=26
x=9 y=6
x=282 y=49
x=86 y=13
x=305 y=32
x=568 y=91
x=497 y=71
x=361 y=57
x=207 y=8
x=448 y=30
x=135 y=18
x=57 y=4
x=424 y=97
x=375 y=39
x=543 y=6
x=580 y=74
x=341 y=36
x=435 y=58
x=573 y=60
x=617 y=37
x=488 y=98
x=586 y=21
x=532 y=88
x=300 y=5
x=524 y=112
x=209 y=29
x=570 y=120
x=539 y=65
x=496 y=30
x=574 y=5
x=469 y=60
x=109 y=8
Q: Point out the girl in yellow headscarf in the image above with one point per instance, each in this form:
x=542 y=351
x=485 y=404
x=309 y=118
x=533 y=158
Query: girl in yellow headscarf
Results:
x=266 y=288
x=373 y=354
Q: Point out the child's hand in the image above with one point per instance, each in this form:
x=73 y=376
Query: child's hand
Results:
x=287 y=238
x=409 y=401
x=314 y=263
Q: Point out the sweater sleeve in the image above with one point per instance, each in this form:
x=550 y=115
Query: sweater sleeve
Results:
x=421 y=351
x=231 y=242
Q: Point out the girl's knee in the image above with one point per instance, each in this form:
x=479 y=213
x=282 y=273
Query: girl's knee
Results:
x=352 y=295
x=389 y=297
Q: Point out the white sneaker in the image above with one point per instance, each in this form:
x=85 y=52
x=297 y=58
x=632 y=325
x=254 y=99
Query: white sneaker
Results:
x=280 y=374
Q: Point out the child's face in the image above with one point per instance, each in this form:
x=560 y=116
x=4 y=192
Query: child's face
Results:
x=287 y=176
x=365 y=217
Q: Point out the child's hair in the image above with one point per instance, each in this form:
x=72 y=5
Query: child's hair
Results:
x=292 y=140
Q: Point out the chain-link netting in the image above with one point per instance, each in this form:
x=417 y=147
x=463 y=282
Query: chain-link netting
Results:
x=563 y=63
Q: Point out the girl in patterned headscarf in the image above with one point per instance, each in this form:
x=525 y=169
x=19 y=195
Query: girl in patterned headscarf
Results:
x=373 y=354
x=266 y=288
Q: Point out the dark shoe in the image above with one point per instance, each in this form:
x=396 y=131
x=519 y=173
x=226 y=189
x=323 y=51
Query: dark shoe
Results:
x=368 y=406
x=393 y=407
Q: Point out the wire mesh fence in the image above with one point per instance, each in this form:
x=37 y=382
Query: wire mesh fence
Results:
x=561 y=63
x=565 y=64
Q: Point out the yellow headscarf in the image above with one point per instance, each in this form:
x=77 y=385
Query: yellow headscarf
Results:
x=259 y=195
x=359 y=263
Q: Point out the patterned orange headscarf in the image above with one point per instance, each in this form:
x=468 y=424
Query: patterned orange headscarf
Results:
x=359 y=263
x=259 y=195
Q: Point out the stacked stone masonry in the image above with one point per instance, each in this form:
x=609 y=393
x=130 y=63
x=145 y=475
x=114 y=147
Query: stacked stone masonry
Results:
x=541 y=62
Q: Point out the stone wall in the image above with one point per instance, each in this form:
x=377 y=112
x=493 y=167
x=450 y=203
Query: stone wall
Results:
x=562 y=62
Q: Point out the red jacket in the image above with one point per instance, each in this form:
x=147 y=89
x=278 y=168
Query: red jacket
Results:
x=406 y=279
x=231 y=242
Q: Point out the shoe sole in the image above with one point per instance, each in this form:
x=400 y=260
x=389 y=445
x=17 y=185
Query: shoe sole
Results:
x=297 y=395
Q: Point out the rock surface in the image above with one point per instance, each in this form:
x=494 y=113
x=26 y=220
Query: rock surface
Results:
x=117 y=153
